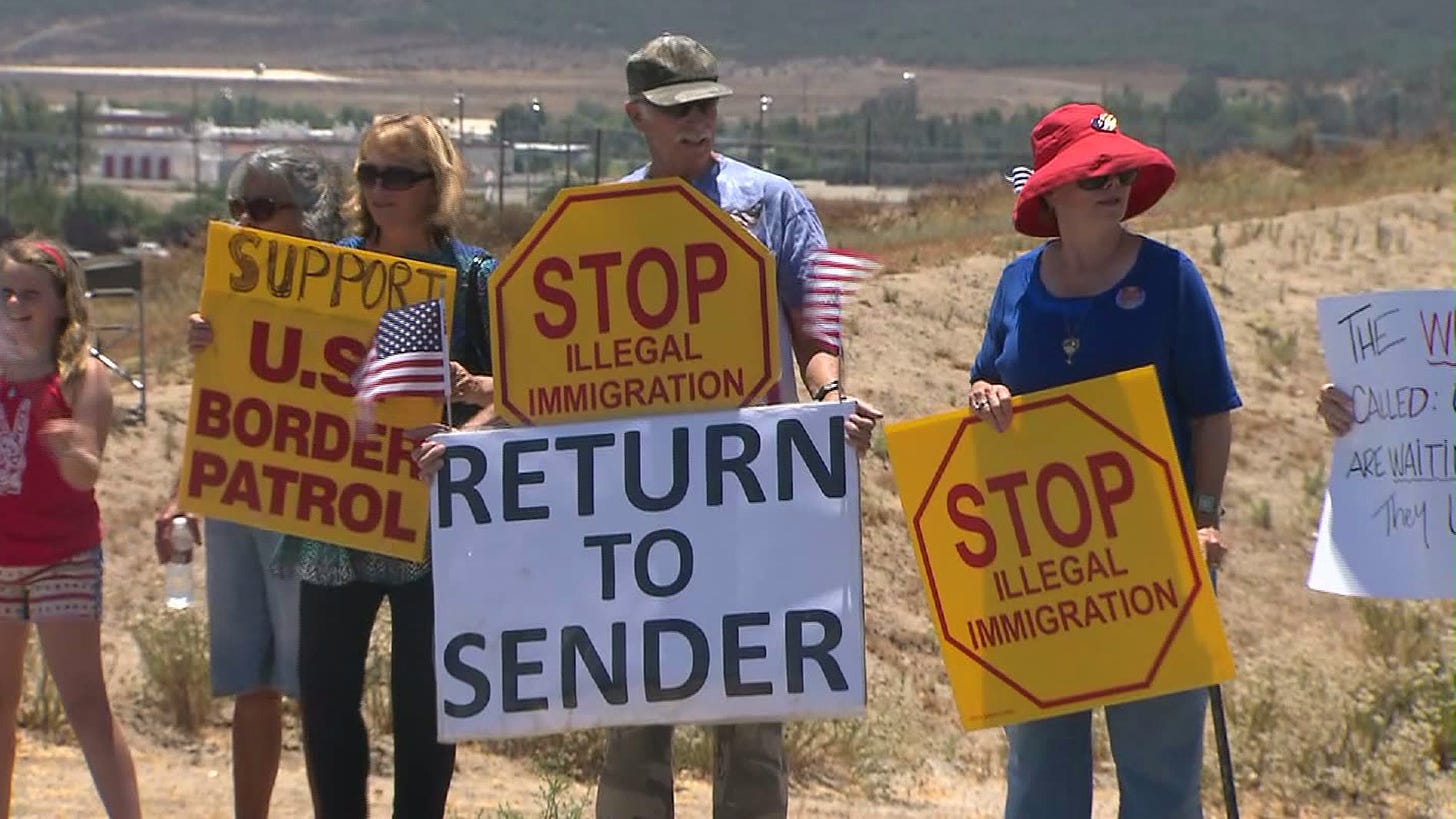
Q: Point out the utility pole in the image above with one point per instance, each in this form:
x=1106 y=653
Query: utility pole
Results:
x=80 y=144
x=500 y=176
x=567 y=183
x=869 y=138
x=597 y=155
x=764 y=101
x=460 y=116
x=196 y=147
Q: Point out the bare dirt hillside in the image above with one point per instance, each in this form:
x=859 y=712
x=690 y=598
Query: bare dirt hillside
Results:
x=912 y=338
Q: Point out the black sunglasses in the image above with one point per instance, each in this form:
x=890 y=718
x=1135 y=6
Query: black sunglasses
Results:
x=1097 y=183
x=258 y=208
x=707 y=106
x=391 y=177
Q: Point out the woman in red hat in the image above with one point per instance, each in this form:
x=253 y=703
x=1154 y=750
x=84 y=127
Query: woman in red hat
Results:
x=1093 y=300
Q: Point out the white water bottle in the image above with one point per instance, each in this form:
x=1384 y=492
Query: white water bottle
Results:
x=178 y=582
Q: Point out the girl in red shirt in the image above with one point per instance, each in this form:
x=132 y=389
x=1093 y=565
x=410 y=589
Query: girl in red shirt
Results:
x=55 y=411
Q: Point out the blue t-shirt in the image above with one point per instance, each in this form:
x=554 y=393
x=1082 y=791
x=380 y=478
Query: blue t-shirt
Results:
x=1160 y=313
x=782 y=218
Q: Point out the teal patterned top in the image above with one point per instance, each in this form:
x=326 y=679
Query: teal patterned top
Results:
x=329 y=564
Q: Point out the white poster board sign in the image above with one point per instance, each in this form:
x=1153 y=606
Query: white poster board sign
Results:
x=1388 y=528
x=667 y=569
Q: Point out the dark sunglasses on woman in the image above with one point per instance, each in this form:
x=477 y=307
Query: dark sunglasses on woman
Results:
x=390 y=177
x=1097 y=183
x=257 y=208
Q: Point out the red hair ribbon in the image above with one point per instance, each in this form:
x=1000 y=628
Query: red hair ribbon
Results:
x=50 y=250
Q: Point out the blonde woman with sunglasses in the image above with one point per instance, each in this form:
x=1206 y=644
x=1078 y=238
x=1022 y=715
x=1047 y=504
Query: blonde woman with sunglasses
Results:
x=410 y=183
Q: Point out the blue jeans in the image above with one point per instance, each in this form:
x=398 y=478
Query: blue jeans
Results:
x=1157 y=745
x=253 y=613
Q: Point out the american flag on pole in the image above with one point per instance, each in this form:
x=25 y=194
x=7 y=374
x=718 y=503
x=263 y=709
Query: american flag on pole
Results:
x=408 y=357
x=834 y=275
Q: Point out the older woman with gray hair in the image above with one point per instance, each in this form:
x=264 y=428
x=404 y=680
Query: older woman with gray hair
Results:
x=254 y=611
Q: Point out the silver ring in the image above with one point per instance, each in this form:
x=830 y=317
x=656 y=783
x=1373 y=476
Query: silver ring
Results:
x=980 y=404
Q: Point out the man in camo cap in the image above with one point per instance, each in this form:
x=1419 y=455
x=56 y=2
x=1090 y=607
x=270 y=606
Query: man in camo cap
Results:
x=673 y=92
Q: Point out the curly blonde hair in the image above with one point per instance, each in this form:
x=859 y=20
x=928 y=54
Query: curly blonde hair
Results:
x=73 y=331
x=420 y=137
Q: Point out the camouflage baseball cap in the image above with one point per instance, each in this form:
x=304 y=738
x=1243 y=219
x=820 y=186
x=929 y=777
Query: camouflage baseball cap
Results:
x=674 y=69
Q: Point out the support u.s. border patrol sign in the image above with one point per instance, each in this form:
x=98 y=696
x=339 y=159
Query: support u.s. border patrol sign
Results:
x=1060 y=558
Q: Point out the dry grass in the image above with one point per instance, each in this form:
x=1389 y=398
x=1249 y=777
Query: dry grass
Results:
x=944 y=224
x=174 y=655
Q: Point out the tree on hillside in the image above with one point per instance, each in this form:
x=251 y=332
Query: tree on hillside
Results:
x=1197 y=99
x=37 y=144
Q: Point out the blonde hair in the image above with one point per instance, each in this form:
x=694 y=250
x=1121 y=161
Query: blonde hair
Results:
x=73 y=332
x=417 y=136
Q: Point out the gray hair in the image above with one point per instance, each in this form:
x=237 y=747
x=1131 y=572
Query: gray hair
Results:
x=312 y=180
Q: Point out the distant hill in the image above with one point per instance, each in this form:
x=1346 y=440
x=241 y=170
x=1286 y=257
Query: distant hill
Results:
x=1263 y=38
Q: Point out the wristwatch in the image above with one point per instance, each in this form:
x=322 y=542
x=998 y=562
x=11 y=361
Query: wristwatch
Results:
x=1206 y=507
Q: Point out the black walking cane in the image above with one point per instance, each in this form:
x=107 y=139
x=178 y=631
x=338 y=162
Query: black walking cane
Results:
x=1220 y=738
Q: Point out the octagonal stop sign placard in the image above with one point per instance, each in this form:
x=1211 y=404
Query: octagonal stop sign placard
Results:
x=1060 y=558
x=632 y=298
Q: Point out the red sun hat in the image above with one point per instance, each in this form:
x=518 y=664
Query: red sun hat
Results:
x=1078 y=141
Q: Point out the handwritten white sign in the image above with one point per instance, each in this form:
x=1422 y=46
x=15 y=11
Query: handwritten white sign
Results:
x=1388 y=528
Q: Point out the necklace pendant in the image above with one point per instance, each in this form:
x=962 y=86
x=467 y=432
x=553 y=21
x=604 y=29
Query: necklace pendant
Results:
x=1070 y=346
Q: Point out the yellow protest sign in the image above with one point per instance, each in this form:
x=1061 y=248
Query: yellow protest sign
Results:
x=271 y=439
x=1060 y=558
x=631 y=298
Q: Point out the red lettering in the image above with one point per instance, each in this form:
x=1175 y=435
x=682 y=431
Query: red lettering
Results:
x=242 y=487
x=698 y=285
x=344 y=354
x=369 y=519
x=279 y=479
x=968 y=522
x=1077 y=535
x=1008 y=484
x=287 y=368
x=330 y=437
x=257 y=433
x=599 y=262
x=212 y=414
x=555 y=295
x=644 y=317
x=1107 y=497
x=208 y=469
x=393 y=511
x=366 y=443
x=400 y=448
x=316 y=492
x=292 y=427
x=1047 y=570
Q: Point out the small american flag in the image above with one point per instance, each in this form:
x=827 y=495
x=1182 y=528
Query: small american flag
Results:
x=407 y=357
x=1017 y=177
x=833 y=276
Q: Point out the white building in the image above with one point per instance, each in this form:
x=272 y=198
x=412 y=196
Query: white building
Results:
x=137 y=148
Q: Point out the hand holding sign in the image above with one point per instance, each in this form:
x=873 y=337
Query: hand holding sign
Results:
x=1336 y=408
